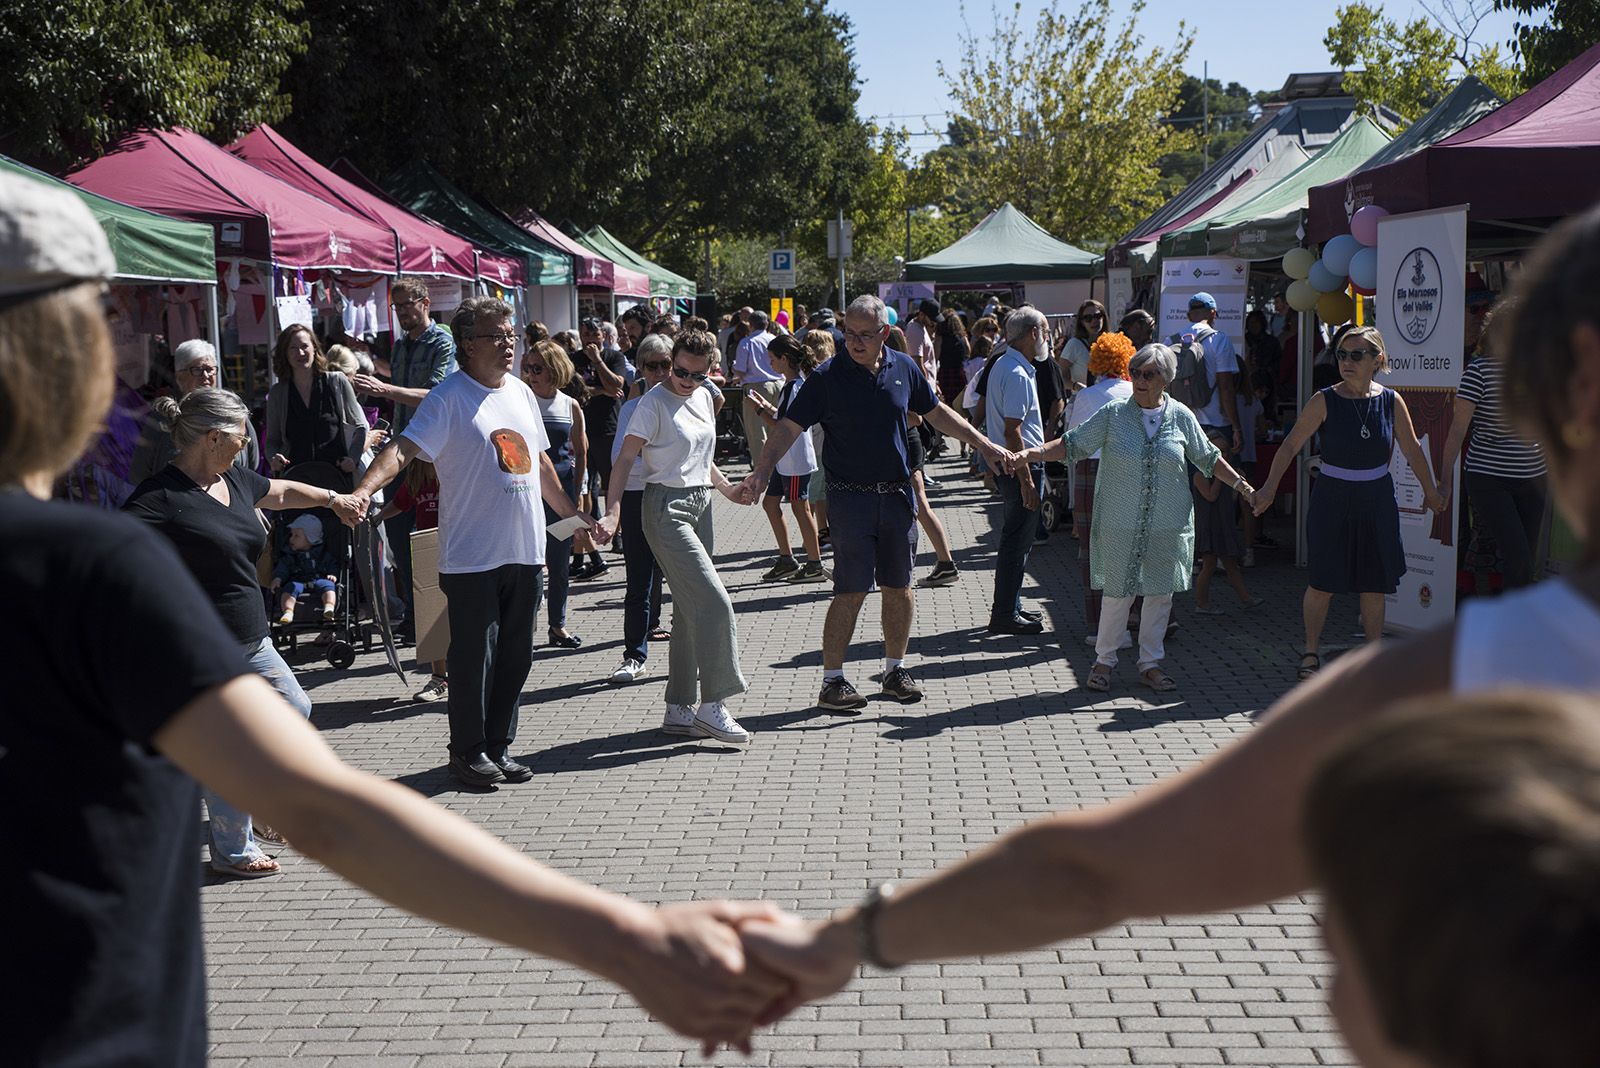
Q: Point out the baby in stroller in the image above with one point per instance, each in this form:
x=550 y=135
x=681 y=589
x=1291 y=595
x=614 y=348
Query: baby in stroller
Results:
x=305 y=564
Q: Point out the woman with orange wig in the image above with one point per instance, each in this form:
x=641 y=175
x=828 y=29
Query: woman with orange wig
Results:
x=1108 y=362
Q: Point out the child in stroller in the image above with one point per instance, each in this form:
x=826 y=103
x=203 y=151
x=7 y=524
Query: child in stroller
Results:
x=304 y=565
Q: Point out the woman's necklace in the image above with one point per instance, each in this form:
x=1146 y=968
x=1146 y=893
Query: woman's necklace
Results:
x=1365 y=411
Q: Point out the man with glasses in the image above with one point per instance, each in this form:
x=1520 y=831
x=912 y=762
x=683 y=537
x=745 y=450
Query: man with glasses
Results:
x=860 y=398
x=422 y=356
x=194 y=366
x=482 y=431
x=1014 y=418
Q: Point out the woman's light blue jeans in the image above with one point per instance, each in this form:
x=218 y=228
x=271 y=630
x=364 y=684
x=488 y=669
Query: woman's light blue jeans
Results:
x=232 y=842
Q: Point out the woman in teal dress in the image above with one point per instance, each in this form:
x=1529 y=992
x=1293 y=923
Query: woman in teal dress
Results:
x=1141 y=542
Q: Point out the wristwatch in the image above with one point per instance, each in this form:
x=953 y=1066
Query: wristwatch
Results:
x=333 y=495
x=866 y=926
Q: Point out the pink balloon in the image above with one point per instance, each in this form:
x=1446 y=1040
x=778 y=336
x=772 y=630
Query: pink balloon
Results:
x=783 y=319
x=1364 y=224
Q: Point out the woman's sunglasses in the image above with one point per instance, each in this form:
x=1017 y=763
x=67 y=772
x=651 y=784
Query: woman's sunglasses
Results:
x=658 y=365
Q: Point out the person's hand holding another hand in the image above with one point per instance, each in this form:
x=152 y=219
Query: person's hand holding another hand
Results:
x=817 y=959
x=351 y=508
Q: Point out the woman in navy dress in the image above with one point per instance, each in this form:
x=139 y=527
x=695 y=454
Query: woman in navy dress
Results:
x=547 y=370
x=1353 y=527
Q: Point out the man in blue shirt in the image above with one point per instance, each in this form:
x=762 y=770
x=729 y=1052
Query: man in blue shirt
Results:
x=860 y=398
x=1221 y=412
x=753 y=371
x=1013 y=420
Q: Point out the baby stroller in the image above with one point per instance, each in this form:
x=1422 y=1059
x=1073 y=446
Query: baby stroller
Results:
x=1055 y=505
x=344 y=630
x=731 y=441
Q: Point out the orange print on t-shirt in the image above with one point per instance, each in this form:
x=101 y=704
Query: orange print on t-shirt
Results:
x=511 y=449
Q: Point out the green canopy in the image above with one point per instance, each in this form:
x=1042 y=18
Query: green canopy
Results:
x=663 y=283
x=1272 y=222
x=420 y=188
x=1006 y=246
x=1468 y=102
x=148 y=247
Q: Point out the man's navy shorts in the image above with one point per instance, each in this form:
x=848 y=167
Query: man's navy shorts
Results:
x=789 y=487
x=874 y=536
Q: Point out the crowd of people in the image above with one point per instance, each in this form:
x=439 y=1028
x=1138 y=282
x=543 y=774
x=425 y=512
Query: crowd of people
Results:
x=1400 y=775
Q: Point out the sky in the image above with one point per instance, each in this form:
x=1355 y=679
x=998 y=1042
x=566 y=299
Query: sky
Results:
x=1257 y=43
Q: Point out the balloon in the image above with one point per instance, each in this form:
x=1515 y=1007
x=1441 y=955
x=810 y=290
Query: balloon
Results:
x=1365 y=292
x=1364 y=224
x=1337 y=252
x=1335 y=308
x=1301 y=295
x=1323 y=280
x=1364 y=269
x=1297 y=262
x=894 y=316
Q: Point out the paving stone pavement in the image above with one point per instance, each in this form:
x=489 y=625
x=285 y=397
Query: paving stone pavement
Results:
x=306 y=969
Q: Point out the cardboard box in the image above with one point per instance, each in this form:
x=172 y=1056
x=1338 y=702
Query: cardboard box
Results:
x=428 y=600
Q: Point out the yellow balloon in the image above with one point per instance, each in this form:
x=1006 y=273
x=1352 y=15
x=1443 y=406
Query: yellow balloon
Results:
x=1335 y=309
x=1297 y=262
x=1301 y=295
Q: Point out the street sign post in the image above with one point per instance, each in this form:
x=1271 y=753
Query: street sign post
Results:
x=780 y=269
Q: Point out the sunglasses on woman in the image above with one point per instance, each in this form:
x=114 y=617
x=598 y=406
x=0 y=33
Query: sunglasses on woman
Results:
x=658 y=365
x=687 y=375
x=1356 y=355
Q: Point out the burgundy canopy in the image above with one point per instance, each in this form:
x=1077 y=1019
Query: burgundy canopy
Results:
x=423 y=247
x=1537 y=157
x=180 y=174
x=589 y=269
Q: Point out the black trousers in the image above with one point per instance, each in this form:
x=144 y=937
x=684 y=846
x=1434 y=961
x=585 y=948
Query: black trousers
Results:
x=491 y=650
x=1510 y=510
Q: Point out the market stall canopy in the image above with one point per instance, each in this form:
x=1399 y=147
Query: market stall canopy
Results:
x=1006 y=246
x=148 y=247
x=663 y=283
x=430 y=194
x=1536 y=158
x=593 y=271
x=1271 y=222
x=180 y=174
x=1140 y=253
x=422 y=247
x=1308 y=123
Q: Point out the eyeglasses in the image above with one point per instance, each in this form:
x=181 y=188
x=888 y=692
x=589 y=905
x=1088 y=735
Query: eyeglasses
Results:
x=1096 y=316
x=690 y=376
x=398 y=304
x=1356 y=355
x=498 y=339
x=851 y=335
x=199 y=370
x=1149 y=374
x=658 y=365
x=534 y=368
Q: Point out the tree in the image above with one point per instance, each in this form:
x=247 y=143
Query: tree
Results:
x=1570 y=27
x=84 y=72
x=1223 y=116
x=1410 y=68
x=1067 y=122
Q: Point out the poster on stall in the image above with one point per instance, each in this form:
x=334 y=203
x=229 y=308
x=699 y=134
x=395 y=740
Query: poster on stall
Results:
x=1119 y=294
x=1223 y=277
x=1420 y=309
x=444 y=297
x=294 y=311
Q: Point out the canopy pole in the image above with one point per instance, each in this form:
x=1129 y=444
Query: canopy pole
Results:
x=1302 y=477
x=213 y=319
x=844 y=301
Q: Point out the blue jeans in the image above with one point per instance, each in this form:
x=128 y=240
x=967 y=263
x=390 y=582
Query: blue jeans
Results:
x=232 y=842
x=1018 y=526
x=641 y=606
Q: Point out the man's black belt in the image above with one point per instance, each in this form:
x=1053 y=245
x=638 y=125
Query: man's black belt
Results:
x=897 y=486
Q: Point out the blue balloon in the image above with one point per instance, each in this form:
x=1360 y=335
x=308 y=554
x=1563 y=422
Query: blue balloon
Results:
x=1364 y=269
x=894 y=316
x=1337 y=252
x=1323 y=280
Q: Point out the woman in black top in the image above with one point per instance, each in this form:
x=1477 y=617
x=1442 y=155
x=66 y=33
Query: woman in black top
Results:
x=312 y=412
x=953 y=352
x=206 y=506
x=133 y=685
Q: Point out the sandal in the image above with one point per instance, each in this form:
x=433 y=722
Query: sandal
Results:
x=268 y=837
x=258 y=868
x=1308 y=670
x=1157 y=680
x=1098 y=680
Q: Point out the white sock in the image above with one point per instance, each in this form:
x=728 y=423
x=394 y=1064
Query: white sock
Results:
x=890 y=663
x=829 y=674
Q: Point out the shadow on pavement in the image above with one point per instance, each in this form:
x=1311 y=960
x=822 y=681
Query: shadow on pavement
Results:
x=904 y=728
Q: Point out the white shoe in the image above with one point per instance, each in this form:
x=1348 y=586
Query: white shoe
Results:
x=679 y=720
x=713 y=721
x=629 y=670
x=437 y=689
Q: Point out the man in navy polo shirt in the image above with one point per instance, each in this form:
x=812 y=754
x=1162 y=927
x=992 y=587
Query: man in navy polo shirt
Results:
x=861 y=398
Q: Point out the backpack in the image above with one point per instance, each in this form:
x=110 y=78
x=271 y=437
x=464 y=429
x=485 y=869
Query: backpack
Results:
x=1192 y=386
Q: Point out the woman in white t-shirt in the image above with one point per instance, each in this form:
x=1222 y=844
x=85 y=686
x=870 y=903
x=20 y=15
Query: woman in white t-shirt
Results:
x=1087 y=325
x=673 y=434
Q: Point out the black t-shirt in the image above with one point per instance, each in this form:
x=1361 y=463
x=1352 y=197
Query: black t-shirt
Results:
x=954 y=352
x=600 y=410
x=107 y=637
x=220 y=544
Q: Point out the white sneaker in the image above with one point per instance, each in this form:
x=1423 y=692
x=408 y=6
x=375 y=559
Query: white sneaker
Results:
x=628 y=671
x=437 y=689
x=713 y=721
x=679 y=720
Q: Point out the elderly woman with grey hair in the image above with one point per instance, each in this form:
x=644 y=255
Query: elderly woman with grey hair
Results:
x=1141 y=542
x=220 y=541
x=194 y=366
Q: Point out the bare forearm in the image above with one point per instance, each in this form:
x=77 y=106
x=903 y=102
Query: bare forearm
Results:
x=411 y=398
x=779 y=438
x=947 y=420
x=383 y=469
x=1418 y=462
x=294 y=495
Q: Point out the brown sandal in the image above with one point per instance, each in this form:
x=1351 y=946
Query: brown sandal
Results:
x=1098 y=680
x=1157 y=680
x=259 y=868
x=1308 y=670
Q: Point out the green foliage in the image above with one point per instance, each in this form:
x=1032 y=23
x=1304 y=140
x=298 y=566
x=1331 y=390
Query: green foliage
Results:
x=80 y=73
x=1233 y=109
x=1410 y=68
x=1569 y=28
x=666 y=119
x=1065 y=121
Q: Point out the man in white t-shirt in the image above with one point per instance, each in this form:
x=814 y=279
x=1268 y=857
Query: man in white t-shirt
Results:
x=481 y=430
x=1222 y=370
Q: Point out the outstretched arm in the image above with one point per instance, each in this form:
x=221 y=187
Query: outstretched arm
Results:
x=1405 y=437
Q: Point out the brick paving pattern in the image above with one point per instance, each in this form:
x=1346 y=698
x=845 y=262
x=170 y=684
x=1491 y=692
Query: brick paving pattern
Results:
x=306 y=970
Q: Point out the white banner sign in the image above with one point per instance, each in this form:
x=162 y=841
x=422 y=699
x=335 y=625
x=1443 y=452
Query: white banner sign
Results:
x=1421 y=308
x=1223 y=277
x=1119 y=294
